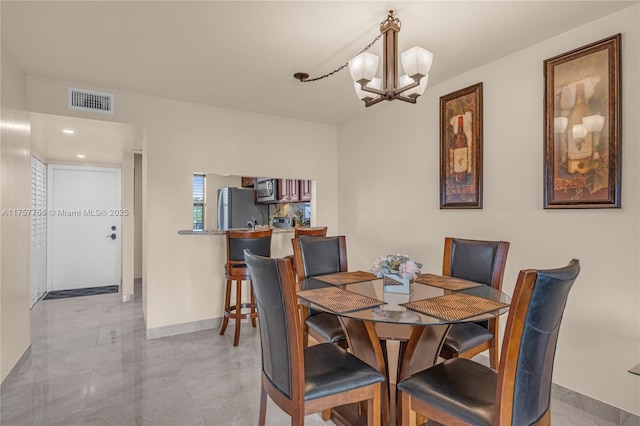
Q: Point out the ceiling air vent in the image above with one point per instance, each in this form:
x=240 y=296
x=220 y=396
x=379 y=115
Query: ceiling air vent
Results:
x=88 y=100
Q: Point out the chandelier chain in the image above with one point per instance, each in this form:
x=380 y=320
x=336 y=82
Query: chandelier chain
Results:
x=341 y=67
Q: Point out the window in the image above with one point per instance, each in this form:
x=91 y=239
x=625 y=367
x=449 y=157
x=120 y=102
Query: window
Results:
x=198 y=201
x=307 y=213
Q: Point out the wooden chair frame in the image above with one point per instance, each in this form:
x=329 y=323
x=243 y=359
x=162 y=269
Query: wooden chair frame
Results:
x=506 y=371
x=296 y=406
x=494 y=324
x=310 y=232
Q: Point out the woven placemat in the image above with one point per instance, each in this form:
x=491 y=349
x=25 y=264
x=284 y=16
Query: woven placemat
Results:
x=454 y=307
x=338 y=300
x=447 y=283
x=346 y=277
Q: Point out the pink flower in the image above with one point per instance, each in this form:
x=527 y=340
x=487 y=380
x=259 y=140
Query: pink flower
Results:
x=409 y=269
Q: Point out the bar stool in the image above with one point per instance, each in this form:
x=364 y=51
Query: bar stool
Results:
x=259 y=242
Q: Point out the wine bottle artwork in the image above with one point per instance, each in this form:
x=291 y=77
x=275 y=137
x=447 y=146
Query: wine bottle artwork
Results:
x=582 y=155
x=461 y=149
x=579 y=140
x=460 y=153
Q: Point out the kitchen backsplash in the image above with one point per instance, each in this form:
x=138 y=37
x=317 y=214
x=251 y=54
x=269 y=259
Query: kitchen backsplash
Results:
x=295 y=210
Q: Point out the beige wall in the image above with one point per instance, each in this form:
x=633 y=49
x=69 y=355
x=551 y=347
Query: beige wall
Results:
x=182 y=273
x=600 y=336
x=137 y=264
x=182 y=276
x=15 y=188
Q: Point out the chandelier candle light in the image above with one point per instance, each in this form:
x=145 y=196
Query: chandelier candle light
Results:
x=363 y=67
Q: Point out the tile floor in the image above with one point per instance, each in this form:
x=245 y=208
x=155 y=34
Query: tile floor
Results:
x=91 y=365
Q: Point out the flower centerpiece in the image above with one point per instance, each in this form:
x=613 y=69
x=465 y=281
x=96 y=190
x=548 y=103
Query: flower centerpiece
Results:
x=397 y=270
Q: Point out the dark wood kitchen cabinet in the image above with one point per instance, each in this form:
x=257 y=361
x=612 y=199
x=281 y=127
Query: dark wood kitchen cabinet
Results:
x=305 y=190
x=248 y=182
x=288 y=191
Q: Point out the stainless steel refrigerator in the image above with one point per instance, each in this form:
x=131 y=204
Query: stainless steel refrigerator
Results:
x=237 y=209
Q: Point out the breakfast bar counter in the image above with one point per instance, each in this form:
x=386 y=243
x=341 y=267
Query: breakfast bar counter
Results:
x=275 y=229
x=201 y=278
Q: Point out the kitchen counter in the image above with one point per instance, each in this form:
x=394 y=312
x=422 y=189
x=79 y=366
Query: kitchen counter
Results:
x=219 y=232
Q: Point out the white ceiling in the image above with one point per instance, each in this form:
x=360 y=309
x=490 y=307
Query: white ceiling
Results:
x=242 y=54
x=101 y=142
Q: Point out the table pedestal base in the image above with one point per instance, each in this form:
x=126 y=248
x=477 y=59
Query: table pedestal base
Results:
x=419 y=348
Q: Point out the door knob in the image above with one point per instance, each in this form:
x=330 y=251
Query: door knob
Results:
x=112 y=236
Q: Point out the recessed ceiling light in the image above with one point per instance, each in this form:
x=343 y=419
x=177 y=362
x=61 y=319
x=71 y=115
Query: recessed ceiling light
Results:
x=80 y=156
x=68 y=131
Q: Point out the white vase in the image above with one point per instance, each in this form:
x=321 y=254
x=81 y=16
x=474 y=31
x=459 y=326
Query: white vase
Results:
x=396 y=284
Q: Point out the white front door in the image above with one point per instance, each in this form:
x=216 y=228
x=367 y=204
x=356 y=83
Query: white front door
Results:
x=84 y=227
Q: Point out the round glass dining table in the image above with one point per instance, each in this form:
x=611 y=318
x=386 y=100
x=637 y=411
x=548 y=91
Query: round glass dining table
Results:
x=419 y=316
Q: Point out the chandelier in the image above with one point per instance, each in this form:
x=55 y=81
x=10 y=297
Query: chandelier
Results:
x=416 y=63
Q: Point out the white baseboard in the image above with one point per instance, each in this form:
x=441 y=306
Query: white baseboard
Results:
x=188 y=327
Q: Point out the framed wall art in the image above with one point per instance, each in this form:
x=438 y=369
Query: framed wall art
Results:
x=461 y=149
x=582 y=127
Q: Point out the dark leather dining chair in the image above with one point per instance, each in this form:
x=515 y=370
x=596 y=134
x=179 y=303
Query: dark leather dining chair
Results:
x=320 y=256
x=460 y=391
x=303 y=380
x=235 y=270
x=483 y=262
x=303 y=233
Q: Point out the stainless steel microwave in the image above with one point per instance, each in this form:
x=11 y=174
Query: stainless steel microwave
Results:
x=266 y=190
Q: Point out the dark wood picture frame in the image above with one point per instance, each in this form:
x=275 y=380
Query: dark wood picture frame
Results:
x=460 y=167
x=582 y=161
